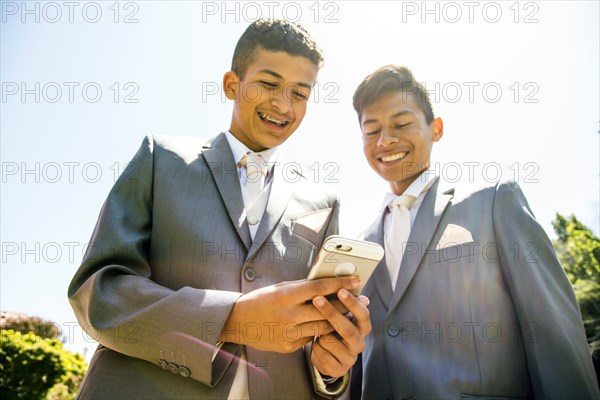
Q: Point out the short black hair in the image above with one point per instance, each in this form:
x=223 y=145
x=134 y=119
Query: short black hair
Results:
x=387 y=79
x=274 y=35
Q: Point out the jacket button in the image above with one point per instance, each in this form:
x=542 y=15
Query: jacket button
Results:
x=393 y=330
x=184 y=371
x=174 y=368
x=250 y=274
x=163 y=364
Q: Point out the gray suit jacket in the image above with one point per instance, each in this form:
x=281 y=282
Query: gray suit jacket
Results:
x=495 y=317
x=170 y=255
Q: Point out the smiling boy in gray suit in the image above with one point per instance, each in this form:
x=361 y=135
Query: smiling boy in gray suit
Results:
x=470 y=300
x=194 y=279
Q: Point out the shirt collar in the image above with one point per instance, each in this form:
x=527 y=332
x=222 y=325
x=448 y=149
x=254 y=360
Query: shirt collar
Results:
x=239 y=149
x=417 y=188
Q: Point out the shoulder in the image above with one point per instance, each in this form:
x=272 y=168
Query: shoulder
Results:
x=479 y=190
x=310 y=191
x=177 y=144
x=316 y=195
x=186 y=148
x=304 y=188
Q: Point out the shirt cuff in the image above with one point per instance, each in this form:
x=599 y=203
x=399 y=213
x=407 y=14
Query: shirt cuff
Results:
x=216 y=350
x=328 y=386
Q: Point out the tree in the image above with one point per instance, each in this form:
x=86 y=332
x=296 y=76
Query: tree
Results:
x=578 y=250
x=25 y=323
x=36 y=367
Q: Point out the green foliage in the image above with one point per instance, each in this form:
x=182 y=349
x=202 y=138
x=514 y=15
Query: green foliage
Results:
x=578 y=249
x=31 y=366
x=588 y=297
x=24 y=323
x=66 y=389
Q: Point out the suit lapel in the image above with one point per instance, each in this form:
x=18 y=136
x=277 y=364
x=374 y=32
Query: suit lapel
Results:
x=380 y=276
x=222 y=166
x=281 y=191
x=431 y=210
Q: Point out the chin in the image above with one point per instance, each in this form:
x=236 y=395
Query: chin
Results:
x=390 y=176
x=269 y=144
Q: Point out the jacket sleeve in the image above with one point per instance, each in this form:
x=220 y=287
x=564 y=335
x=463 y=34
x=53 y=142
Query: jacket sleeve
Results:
x=552 y=332
x=117 y=303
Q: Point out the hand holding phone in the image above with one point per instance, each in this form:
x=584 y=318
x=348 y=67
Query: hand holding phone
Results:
x=340 y=256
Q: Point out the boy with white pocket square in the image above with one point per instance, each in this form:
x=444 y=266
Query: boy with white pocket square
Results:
x=456 y=310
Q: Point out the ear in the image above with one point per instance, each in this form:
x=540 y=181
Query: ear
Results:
x=230 y=84
x=438 y=129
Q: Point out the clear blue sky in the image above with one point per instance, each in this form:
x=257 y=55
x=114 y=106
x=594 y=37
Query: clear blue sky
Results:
x=517 y=85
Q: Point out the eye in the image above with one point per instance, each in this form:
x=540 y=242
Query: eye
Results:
x=372 y=132
x=267 y=84
x=295 y=92
x=299 y=95
x=400 y=126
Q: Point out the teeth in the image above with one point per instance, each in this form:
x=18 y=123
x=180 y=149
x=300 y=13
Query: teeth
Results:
x=271 y=119
x=393 y=157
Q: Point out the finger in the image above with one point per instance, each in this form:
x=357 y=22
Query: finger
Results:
x=325 y=362
x=358 y=310
x=293 y=345
x=331 y=356
x=287 y=283
x=347 y=330
x=339 y=305
x=308 y=329
x=342 y=308
x=364 y=299
x=301 y=314
x=333 y=343
x=306 y=290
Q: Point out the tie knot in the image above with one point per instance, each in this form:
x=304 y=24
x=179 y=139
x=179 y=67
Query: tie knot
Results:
x=405 y=200
x=256 y=167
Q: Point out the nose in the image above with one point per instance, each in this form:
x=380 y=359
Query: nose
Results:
x=386 y=138
x=281 y=100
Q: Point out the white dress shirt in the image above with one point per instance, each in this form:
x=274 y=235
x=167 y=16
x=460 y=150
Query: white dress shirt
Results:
x=418 y=189
x=254 y=209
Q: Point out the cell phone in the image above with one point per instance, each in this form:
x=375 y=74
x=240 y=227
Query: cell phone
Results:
x=341 y=256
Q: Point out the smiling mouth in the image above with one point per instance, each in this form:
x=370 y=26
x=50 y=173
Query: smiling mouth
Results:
x=394 y=157
x=272 y=120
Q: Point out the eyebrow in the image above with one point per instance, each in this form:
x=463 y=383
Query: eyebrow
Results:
x=398 y=114
x=278 y=76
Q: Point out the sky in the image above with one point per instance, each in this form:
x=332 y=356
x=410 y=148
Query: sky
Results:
x=516 y=84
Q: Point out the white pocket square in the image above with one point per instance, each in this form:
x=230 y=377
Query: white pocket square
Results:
x=453 y=236
x=314 y=220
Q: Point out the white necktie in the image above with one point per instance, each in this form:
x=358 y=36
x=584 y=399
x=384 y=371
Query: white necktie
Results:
x=256 y=169
x=397 y=234
x=254 y=181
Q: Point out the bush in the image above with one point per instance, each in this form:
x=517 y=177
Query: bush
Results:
x=31 y=366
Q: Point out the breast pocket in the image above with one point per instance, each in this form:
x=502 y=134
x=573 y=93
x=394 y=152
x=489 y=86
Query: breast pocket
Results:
x=307 y=248
x=468 y=252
